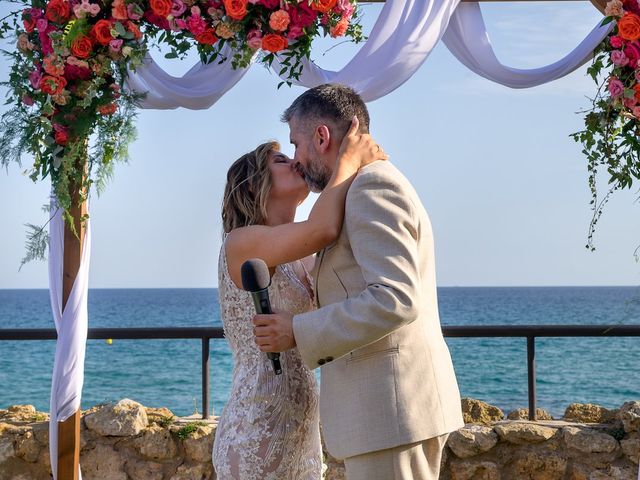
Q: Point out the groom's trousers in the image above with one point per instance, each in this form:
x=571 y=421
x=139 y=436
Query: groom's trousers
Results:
x=416 y=461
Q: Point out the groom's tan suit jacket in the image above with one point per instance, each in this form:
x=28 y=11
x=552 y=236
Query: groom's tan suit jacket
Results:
x=387 y=377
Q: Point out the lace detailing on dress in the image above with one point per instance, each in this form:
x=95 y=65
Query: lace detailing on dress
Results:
x=269 y=428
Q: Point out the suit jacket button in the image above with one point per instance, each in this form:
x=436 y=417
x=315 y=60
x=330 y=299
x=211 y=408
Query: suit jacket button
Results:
x=329 y=359
x=322 y=361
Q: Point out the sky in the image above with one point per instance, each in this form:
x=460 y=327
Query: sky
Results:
x=504 y=184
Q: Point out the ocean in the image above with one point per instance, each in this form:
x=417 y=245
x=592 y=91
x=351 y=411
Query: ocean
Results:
x=167 y=372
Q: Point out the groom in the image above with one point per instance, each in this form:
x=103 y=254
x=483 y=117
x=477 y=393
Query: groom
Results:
x=389 y=396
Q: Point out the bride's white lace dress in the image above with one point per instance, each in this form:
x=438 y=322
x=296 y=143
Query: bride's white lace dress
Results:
x=269 y=428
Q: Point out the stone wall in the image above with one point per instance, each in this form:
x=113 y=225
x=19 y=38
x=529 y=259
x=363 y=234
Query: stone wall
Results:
x=126 y=441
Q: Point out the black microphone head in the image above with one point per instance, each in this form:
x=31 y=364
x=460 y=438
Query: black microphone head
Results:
x=255 y=275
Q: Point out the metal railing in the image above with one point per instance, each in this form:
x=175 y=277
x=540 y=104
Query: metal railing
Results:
x=530 y=332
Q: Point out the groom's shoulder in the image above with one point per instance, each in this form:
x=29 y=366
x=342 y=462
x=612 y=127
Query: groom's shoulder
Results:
x=380 y=174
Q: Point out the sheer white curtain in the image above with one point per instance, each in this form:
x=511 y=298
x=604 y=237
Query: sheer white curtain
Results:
x=401 y=40
x=71 y=325
x=198 y=89
x=468 y=40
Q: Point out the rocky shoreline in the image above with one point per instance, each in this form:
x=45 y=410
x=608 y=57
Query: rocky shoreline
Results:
x=127 y=441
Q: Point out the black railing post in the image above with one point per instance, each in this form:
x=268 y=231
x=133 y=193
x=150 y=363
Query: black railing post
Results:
x=531 y=375
x=205 y=377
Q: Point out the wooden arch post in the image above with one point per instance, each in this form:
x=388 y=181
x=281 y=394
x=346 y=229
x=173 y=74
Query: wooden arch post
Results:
x=69 y=430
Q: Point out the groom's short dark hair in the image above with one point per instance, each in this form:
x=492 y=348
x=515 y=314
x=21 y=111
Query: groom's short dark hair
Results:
x=333 y=102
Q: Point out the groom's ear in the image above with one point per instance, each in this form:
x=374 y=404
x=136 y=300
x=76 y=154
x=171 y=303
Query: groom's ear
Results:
x=322 y=138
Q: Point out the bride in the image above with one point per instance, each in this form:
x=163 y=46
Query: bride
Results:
x=269 y=428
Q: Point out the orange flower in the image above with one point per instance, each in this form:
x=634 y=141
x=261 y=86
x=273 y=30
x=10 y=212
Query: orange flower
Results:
x=629 y=26
x=108 y=109
x=81 y=46
x=52 y=85
x=274 y=43
x=101 y=31
x=207 y=37
x=135 y=29
x=162 y=8
x=636 y=87
x=340 y=28
x=119 y=10
x=279 y=20
x=235 y=9
x=324 y=6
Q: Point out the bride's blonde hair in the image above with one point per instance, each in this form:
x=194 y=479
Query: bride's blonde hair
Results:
x=248 y=184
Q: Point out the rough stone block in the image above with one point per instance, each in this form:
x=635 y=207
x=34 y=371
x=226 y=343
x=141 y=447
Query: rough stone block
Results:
x=588 y=413
x=473 y=470
x=521 y=433
x=472 y=440
x=523 y=414
x=629 y=414
x=589 y=441
x=477 y=411
x=122 y=419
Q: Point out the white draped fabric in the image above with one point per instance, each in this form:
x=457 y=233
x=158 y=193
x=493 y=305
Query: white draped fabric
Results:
x=71 y=325
x=468 y=40
x=198 y=89
x=401 y=40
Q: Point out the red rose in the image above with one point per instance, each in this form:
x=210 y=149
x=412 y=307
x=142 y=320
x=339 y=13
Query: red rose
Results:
x=101 y=32
x=58 y=11
x=208 y=37
x=28 y=21
x=324 y=6
x=81 y=46
x=52 y=85
x=270 y=4
x=162 y=8
x=62 y=136
x=274 y=43
x=235 y=9
x=74 y=72
x=302 y=15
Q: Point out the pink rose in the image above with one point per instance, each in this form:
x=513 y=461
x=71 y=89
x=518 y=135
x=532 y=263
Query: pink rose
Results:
x=196 y=24
x=618 y=58
x=632 y=52
x=345 y=8
x=134 y=11
x=27 y=100
x=45 y=43
x=616 y=88
x=616 y=41
x=178 y=8
x=295 y=32
x=636 y=112
x=254 y=39
x=115 y=45
x=630 y=102
x=42 y=24
x=35 y=77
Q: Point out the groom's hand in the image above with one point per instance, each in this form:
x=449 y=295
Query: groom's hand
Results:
x=274 y=333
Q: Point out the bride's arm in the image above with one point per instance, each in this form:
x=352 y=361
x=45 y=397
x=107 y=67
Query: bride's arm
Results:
x=291 y=241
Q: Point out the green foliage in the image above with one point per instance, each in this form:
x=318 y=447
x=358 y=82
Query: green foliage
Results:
x=610 y=139
x=188 y=429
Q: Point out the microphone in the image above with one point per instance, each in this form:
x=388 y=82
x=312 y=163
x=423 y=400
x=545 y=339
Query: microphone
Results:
x=256 y=279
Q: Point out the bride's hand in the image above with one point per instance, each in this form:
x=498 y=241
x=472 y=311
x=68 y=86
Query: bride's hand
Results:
x=359 y=149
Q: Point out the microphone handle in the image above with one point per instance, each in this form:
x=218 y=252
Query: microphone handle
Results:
x=262 y=304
